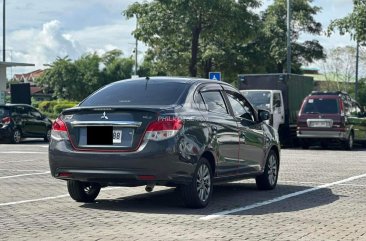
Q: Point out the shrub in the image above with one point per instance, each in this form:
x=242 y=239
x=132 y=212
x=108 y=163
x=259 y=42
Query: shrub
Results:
x=60 y=107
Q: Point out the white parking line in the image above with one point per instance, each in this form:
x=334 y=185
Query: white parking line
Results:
x=48 y=198
x=278 y=199
x=17 y=161
x=321 y=183
x=17 y=170
x=33 y=200
x=23 y=152
x=23 y=175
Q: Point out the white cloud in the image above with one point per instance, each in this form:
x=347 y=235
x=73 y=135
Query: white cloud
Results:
x=42 y=46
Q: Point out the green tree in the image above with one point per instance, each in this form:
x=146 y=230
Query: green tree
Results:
x=191 y=37
x=268 y=53
x=64 y=79
x=117 y=69
x=354 y=23
x=76 y=80
x=88 y=71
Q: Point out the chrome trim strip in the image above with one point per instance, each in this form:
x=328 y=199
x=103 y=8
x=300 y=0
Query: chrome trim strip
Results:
x=106 y=123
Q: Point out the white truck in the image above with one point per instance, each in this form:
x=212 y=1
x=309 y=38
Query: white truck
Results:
x=282 y=95
x=270 y=100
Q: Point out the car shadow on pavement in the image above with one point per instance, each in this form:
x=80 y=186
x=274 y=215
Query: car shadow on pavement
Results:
x=225 y=197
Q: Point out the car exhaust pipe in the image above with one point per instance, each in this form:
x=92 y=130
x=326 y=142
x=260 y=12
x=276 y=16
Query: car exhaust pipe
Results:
x=149 y=187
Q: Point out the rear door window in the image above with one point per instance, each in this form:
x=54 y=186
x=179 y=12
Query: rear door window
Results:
x=321 y=106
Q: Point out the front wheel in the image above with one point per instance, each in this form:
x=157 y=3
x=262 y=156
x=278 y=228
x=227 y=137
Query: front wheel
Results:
x=268 y=180
x=198 y=193
x=83 y=191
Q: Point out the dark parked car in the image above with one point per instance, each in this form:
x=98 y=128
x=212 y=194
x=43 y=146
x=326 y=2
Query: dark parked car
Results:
x=20 y=121
x=327 y=117
x=178 y=132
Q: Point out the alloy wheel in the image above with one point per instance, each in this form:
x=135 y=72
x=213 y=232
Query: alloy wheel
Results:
x=203 y=182
x=272 y=170
x=17 y=136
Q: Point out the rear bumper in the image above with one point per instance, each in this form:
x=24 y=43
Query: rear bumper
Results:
x=322 y=134
x=5 y=132
x=158 y=163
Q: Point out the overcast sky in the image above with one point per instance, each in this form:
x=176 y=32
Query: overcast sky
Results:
x=39 y=31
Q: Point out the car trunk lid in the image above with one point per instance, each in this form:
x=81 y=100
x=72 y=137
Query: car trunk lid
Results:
x=109 y=129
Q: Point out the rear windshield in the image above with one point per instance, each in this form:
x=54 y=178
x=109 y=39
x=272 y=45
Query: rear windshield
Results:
x=138 y=92
x=321 y=106
x=3 y=112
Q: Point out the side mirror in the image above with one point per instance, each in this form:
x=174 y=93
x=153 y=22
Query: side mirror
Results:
x=263 y=115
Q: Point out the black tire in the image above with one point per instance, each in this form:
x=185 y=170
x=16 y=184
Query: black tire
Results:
x=348 y=144
x=268 y=180
x=47 y=138
x=16 y=136
x=324 y=144
x=198 y=193
x=83 y=191
x=304 y=145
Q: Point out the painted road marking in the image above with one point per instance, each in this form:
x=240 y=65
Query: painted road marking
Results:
x=23 y=152
x=278 y=199
x=17 y=170
x=23 y=175
x=48 y=198
x=33 y=200
x=17 y=161
x=322 y=183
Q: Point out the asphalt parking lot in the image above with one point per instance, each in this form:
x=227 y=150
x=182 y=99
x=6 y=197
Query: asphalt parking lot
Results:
x=321 y=195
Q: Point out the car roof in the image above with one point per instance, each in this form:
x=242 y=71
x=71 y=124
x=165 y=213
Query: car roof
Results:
x=173 y=79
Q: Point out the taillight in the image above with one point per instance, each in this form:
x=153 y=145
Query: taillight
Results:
x=341 y=107
x=6 y=120
x=59 y=125
x=59 y=130
x=163 y=129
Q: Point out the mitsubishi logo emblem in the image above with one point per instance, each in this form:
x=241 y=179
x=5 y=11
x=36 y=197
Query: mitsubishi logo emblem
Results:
x=104 y=116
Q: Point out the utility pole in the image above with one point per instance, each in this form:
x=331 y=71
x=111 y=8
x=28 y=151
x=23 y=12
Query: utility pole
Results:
x=3 y=30
x=136 y=46
x=289 y=36
x=357 y=60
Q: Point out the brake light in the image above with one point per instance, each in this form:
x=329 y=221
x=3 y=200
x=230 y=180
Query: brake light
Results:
x=163 y=129
x=59 y=125
x=59 y=130
x=6 y=120
x=341 y=107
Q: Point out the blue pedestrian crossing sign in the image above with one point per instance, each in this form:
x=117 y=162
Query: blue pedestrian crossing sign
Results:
x=215 y=76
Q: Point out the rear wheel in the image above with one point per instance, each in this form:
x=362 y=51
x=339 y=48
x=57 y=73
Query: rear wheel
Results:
x=324 y=144
x=16 y=136
x=304 y=144
x=348 y=144
x=268 y=180
x=198 y=193
x=47 y=138
x=83 y=191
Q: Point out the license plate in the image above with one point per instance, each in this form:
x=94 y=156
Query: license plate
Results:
x=117 y=136
x=320 y=124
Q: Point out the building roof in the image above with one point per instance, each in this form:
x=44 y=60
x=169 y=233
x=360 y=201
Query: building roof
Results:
x=29 y=77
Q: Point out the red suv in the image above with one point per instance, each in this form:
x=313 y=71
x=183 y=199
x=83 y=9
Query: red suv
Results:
x=326 y=117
